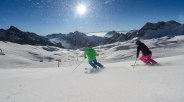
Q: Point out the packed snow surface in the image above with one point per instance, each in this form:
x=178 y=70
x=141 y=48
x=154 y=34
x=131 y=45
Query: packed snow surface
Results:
x=118 y=82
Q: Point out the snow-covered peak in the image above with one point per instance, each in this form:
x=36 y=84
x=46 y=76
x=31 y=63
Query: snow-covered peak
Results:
x=75 y=40
x=111 y=34
x=160 y=29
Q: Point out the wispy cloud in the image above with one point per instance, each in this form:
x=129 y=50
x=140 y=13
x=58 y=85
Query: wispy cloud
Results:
x=108 y=1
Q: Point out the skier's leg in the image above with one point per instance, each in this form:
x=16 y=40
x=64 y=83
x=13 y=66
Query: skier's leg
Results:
x=98 y=64
x=92 y=64
x=151 y=60
x=144 y=58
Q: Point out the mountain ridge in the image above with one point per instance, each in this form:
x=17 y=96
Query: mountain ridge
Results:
x=15 y=35
x=75 y=40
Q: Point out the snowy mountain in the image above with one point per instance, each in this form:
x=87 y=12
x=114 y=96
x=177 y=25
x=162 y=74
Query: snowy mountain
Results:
x=111 y=34
x=15 y=35
x=160 y=29
x=78 y=40
x=114 y=36
x=148 y=31
x=75 y=39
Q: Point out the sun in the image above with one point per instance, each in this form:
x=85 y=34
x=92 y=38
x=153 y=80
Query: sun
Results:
x=81 y=9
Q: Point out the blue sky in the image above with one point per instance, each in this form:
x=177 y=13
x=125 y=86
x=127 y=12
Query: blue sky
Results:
x=60 y=16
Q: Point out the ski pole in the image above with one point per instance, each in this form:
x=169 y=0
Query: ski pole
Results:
x=135 y=63
x=78 y=65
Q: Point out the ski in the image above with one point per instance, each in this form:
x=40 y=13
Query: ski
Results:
x=145 y=65
x=1 y=53
x=91 y=70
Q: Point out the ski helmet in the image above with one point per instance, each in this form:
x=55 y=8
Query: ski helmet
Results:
x=138 y=42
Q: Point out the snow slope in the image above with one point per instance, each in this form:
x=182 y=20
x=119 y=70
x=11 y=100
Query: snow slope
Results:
x=25 y=79
x=26 y=56
x=119 y=82
x=123 y=51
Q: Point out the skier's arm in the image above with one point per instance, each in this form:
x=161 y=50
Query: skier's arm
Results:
x=138 y=50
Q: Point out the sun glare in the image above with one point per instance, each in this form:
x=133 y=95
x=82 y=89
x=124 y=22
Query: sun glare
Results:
x=81 y=9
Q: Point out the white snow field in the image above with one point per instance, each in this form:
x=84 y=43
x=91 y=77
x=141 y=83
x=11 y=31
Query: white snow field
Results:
x=24 y=79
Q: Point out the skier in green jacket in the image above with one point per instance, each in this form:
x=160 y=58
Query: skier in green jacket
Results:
x=91 y=54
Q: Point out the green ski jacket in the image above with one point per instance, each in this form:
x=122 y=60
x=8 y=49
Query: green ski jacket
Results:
x=90 y=53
